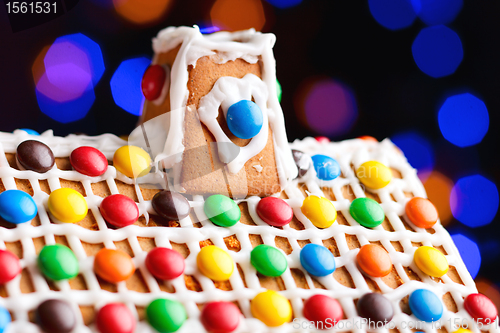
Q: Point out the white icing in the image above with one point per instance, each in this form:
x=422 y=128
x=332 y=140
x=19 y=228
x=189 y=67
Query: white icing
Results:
x=355 y=151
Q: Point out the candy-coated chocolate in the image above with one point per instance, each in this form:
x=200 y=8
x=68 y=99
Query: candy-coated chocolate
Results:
x=274 y=211
x=462 y=330
x=9 y=266
x=322 y=139
x=153 y=81
x=320 y=211
x=55 y=316
x=317 y=260
x=326 y=167
x=367 y=212
x=132 y=161
x=374 y=260
x=35 y=156
x=375 y=307
x=303 y=162
x=220 y=317
x=374 y=174
x=222 y=210
x=425 y=305
x=30 y=131
x=17 y=206
x=115 y=318
x=481 y=308
x=279 y=91
x=271 y=308
x=323 y=310
x=5 y=319
x=431 y=261
x=215 y=263
x=244 y=119
x=113 y=265
x=268 y=260
x=166 y=315
x=58 y=262
x=119 y=210
x=88 y=161
x=367 y=138
x=171 y=205
x=67 y=205
x=164 y=263
x=421 y=212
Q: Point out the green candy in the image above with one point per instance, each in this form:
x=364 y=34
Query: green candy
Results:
x=222 y=210
x=268 y=260
x=166 y=315
x=367 y=212
x=278 y=90
x=58 y=262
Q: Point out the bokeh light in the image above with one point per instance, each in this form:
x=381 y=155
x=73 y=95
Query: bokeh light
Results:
x=142 y=12
x=433 y=12
x=284 y=3
x=238 y=15
x=65 y=74
x=393 y=14
x=438 y=188
x=463 y=120
x=486 y=287
x=417 y=149
x=437 y=51
x=126 y=84
x=474 y=201
x=469 y=251
x=328 y=106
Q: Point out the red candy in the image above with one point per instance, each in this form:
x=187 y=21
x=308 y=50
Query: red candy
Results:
x=9 y=266
x=322 y=139
x=165 y=264
x=220 y=317
x=115 y=318
x=89 y=161
x=274 y=211
x=119 y=210
x=153 y=81
x=323 y=310
x=481 y=308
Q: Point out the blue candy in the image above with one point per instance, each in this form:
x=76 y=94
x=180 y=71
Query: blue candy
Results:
x=317 y=260
x=30 y=131
x=326 y=167
x=244 y=119
x=425 y=305
x=5 y=319
x=17 y=206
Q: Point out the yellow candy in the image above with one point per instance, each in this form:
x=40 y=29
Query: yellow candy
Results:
x=132 y=161
x=215 y=263
x=271 y=308
x=374 y=174
x=431 y=261
x=320 y=211
x=67 y=205
x=462 y=330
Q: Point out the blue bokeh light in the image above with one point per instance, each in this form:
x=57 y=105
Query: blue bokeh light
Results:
x=434 y=12
x=69 y=111
x=463 y=120
x=126 y=84
x=417 y=149
x=469 y=251
x=437 y=51
x=284 y=3
x=393 y=14
x=474 y=201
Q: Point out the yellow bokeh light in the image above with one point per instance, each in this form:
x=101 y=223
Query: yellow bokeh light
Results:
x=438 y=188
x=238 y=15
x=142 y=11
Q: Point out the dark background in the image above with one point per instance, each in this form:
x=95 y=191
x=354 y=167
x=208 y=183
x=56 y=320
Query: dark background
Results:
x=330 y=38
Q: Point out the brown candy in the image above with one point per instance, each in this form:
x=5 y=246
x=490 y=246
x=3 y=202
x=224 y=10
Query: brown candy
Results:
x=55 y=316
x=171 y=205
x=376 y=308
x=302 y=161
x=35 y=155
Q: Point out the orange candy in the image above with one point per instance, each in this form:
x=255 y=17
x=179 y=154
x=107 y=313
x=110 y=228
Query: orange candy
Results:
x=421 y=212
x=113 y=265
x=368 y=138
x=374 y=260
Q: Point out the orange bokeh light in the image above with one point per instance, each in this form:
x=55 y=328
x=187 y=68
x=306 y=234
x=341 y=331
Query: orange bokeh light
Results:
x=438 y=188
x=142 y=11
x=234 y=15
x=490 y=290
